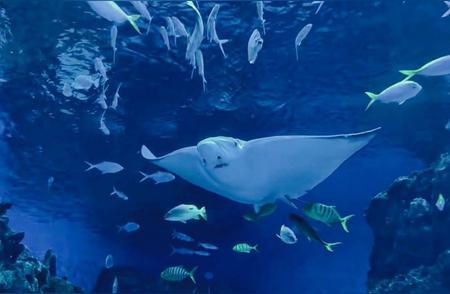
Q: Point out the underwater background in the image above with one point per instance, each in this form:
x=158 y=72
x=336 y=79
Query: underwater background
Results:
x=353 y=47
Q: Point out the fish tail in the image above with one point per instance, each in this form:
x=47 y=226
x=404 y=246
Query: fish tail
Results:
x=146 y=153
x=203 y=213
x=372 y=97
x=119 y=229
x=255 y=248
x=408 y=73
x=221 y=42
x=191 y=274
x=144 y=175
x=344 y=222
x=114 y=191
x=90 y=166
x=173 y=251
x=329 y=246
x=132 y=20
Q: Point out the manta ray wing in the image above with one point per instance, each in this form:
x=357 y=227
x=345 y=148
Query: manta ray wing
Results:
x=289 y=166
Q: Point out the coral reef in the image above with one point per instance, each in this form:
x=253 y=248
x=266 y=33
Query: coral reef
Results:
x=19 y=271
x=411 y=240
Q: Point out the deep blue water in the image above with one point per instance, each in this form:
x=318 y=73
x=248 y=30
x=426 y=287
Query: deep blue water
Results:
x=354 y=46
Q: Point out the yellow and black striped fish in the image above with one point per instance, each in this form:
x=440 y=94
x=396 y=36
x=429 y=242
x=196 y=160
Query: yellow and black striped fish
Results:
x=177 y=274
x=244 y=248
x=326 y=214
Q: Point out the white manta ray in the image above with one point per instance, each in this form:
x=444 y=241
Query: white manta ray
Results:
x=263 y=170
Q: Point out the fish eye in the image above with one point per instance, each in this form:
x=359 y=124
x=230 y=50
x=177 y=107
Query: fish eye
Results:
x=204 y=161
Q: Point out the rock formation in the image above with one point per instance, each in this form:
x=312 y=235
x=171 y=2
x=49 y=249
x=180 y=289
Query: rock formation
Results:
x=411 y=252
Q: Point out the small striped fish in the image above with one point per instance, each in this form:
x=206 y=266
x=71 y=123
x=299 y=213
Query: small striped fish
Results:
x=326 y=214
x=178 y=274
x=244 y=248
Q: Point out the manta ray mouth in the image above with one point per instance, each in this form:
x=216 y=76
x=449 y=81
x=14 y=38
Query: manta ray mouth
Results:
x=221 y=165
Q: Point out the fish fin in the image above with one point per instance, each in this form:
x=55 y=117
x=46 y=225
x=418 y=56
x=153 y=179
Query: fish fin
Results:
x=308 y=238
x=296 y=52
x=90 y=166
x=286 y=199
x=344 y=222
x=191 y=274
x=408 y=73
x=372 y=97
x=203 y=213
x=278 y=236
x=146 y=153
x=328 y=246
x=132 y=20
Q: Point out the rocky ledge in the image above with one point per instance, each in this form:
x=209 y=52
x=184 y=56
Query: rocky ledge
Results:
x=20 y=272
x=411 y=251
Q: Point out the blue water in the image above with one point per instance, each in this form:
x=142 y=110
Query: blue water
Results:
x=354 y=46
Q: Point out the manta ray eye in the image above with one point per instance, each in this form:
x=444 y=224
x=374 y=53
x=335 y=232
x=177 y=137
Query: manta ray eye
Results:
x=219 y=157
x=204 y=161
x=235 y=144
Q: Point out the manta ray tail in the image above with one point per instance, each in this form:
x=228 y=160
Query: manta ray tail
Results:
x=146 y=153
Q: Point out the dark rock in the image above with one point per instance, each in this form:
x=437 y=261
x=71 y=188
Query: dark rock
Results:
x=20 y=272
x=410 y=233
x=4 y=207
x=50 y=262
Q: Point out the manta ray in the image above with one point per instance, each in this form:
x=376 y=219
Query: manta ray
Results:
x=261 y=171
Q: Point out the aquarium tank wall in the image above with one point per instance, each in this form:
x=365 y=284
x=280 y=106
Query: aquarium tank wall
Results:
x=225 y=146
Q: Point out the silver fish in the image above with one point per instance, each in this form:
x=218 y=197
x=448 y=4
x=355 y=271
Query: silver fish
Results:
x=211 y=33
x=182 y=237
x=129 y=227
x=171 y=28
x=165 y=36
x=143 y=11
x=200 y=67
x=180 y=29
x=182 y=251
x=103 y=126
x=115 y=101
x=158 y=177
x=202 y=253
x=301 y=36
x=255 y=43
x=105 y=167
x=109 y=261
x=102 y=98
x=115 y=285
x=119 y=194
x=208 y=246
x=113 y=41
x=196 y=38
x=100 y=68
